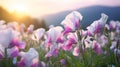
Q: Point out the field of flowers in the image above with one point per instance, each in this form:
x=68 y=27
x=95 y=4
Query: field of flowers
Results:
x=69 y=46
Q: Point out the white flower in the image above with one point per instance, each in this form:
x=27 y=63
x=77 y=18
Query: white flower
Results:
x=30 y=58
x=54 y=32
x=97 y=25
x=72 y=21
x=6 y=36
x=38 y=34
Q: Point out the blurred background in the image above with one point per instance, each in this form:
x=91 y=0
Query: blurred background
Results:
x=43 y=13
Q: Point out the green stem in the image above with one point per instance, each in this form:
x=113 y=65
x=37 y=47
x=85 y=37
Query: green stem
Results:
x=6 y=59
x=81 y=46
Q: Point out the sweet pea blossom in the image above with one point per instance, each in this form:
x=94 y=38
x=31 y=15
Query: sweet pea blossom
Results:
x=88 y=42
x=29 y=59
x=72 y=39
x=38 y=34
x=18 y=43
x=13 y=52
x=97 y=25
x=113 y=46
x=72 y=22
x=42 y=64
x=104 y=40
x=97 y=48
x=112 y=24
x=52 y=35
x=6 y=36
x=76 y=51
x=53 y=51
x=30 y=29
x=13 y=25
x=63 y=62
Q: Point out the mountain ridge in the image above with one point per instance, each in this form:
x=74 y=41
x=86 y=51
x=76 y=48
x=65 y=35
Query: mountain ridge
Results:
x=90 y=14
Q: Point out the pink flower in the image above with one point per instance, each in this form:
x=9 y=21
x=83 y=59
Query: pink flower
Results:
x=76 y=51
x=112 y=24
x=6 y=36
x=63 y=62
x=52 y=35
x=98 y=25
x=13 y=52
x=43 y=64
x=53 y=51
x=97 y=48
x=68 y=46
x=72 y=21
x=72 y=39
x=17 y=43
x=29 y=59
x=103 y=40
x=30 y=29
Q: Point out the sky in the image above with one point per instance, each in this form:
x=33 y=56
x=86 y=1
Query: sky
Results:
x=36 y=8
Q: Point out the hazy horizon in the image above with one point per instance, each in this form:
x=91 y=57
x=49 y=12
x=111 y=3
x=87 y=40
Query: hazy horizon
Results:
x=36 y=8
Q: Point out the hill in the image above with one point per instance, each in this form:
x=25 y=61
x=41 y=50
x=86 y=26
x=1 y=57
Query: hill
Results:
x=89 y=15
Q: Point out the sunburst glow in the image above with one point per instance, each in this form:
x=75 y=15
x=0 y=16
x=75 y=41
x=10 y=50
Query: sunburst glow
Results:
x=18 y=8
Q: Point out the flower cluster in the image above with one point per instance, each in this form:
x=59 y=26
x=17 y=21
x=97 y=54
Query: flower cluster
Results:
x=70 y=45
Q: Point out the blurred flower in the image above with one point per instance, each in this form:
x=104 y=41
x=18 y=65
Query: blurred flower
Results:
x=98 y=25
x=88 y=42
x=113 y=46
x=29 y=59
x=72 y=22
x=97 y=47
x=6 y=36
x=53 y=35
x=112 y=25
x=53 y=51
x=102 y=40
x=17 y=43
x=22 y=28
x=76 y=51
x=13 y=52
x=30 y=29
x=38 y=34
x=13 y=25
x=43 y=64
x=72 y=39
x=63 y=62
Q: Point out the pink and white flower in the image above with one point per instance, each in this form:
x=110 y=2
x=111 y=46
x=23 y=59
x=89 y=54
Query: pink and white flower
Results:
x=76 y=51
x=38 y=34
x=72 y=22
x=29 y=59
x=98 y=25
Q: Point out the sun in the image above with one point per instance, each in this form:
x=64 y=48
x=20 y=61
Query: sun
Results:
x=19 y=8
